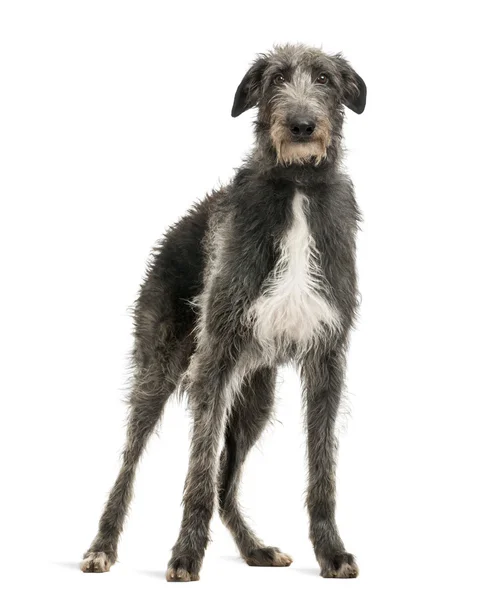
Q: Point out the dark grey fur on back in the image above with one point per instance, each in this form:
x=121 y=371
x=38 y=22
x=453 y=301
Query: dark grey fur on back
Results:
x=260 y=273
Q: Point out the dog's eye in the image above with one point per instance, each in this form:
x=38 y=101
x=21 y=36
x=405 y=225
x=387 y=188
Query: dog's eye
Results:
x=322 y=78
x=278 y=79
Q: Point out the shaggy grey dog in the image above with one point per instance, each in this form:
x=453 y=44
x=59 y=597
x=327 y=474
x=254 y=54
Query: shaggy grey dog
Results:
x=260 y=273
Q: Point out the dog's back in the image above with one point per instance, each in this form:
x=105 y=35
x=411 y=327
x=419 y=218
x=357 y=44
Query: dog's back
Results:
x=164 y=310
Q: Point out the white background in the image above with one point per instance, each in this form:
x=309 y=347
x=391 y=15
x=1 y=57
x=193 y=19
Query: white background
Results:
x=106 y=111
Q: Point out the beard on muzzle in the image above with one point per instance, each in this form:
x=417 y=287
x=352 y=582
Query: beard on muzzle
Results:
x=289 y=151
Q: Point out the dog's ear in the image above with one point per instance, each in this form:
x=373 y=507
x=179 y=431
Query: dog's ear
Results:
x=248 y=92
x=354 y=89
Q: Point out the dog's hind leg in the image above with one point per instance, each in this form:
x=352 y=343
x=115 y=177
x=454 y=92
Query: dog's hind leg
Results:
x=247 y=420
x=154 y=383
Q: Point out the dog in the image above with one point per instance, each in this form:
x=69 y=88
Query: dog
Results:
x=259 y=274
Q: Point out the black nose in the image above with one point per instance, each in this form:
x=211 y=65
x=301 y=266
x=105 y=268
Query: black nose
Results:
x=302 y=128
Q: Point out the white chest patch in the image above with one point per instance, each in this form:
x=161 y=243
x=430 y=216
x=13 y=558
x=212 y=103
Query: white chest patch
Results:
x=292 y=307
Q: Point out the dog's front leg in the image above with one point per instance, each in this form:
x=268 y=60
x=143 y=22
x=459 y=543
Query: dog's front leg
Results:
x=210 y=373
x=323 y=374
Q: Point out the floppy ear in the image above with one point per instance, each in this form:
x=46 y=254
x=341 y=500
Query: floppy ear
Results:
x=354 y=88
x=248 y=92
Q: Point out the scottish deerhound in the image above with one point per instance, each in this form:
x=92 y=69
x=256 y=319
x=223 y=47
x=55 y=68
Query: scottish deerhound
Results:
x=258 y=274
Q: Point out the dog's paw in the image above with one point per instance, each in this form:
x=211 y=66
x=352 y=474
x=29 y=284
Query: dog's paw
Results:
x=96 y=562
x=182 y=569
x=339 y=566
x=267 y=557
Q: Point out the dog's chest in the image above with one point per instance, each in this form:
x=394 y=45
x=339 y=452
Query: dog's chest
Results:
x=292 y=306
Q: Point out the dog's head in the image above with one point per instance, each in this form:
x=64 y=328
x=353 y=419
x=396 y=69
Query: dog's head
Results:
x=300 y=93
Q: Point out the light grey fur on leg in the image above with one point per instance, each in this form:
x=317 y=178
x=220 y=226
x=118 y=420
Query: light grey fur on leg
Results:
x=247 y=420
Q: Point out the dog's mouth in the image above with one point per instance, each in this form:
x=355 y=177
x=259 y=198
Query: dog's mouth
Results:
x=301 y=152
x=295 y=150
x=297 y=140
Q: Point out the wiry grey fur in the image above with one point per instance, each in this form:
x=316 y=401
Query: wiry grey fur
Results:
x=261 y=273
